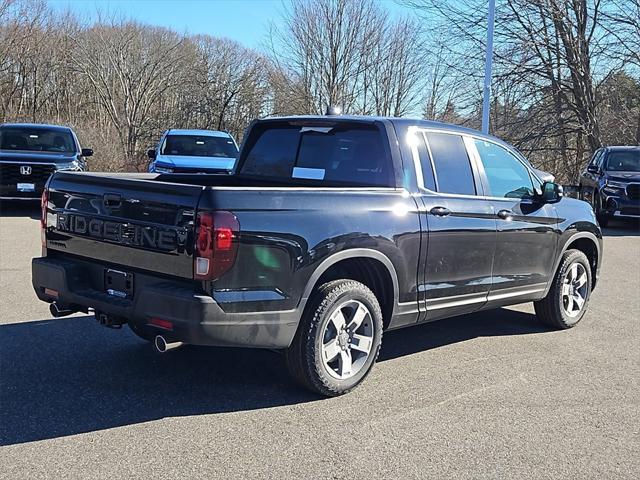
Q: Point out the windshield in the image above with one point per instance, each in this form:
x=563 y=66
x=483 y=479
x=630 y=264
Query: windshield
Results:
x=36 y=139
x=623 y=161
x=199 y=146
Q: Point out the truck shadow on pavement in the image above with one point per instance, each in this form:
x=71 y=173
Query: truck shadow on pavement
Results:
x=69 y=376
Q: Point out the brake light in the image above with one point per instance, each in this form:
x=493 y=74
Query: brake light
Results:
x=161 y=323
x=216 y=244
x=44 y=202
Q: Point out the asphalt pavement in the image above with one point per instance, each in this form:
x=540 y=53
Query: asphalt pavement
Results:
x=490 y=395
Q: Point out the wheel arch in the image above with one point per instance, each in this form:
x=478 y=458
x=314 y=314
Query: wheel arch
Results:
x=588 y=244
x=370 y=267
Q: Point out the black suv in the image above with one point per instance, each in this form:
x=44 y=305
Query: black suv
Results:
x=611 y=183
x=30 y=153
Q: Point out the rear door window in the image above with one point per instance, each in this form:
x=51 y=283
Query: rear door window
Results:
x=425 y=163
x=451 y=162
x=342 y=154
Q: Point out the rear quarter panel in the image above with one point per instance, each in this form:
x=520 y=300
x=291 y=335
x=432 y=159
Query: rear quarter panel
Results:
x=286 y=234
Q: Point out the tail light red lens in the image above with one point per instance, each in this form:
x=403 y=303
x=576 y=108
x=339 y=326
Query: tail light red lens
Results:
x=216 y=244
x=44 y=202
x=161 y=323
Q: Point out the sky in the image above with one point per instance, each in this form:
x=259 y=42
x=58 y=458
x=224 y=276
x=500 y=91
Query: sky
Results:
x=246 y=21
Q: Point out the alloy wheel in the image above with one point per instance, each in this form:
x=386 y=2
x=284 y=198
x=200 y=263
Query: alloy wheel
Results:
x=347 y=340
x=574 y=290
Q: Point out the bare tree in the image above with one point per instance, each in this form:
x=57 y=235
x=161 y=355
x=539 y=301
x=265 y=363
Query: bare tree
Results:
x=567 y=73
x=20 y=24
x=551 y=56
x=395 y=70
x=130 y=67
x=230 y=84
x=350 y=54
x=324 y=42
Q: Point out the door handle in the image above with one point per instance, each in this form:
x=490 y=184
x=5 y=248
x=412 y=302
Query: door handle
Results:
x=506 y=214
x=440 y=211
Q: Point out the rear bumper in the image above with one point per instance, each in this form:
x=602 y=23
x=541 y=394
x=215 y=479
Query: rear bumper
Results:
x=196 y=317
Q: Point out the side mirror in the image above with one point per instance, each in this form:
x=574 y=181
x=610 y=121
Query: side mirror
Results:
x=552 y=192
x=593 y=169
x=151 y=153
x=87 y=152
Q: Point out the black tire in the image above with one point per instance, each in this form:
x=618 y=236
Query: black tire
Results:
x=601 y=216
x=603 y=220
x=304 y=356
x=551 y=310
x=142 y=332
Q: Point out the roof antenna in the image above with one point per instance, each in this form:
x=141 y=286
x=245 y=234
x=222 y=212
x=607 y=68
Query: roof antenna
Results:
x=333 y=110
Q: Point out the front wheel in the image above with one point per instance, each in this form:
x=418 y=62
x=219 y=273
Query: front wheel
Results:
x=338 y=339
x=567 y=299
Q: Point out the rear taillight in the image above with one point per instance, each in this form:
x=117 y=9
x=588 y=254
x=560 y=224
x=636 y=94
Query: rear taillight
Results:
x=216 y=244
x=44 y=201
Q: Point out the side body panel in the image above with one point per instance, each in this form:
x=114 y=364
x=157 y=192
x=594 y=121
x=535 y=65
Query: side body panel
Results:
x=526 y=243
x=460 y=255
x=288 y=234
x=526 y=249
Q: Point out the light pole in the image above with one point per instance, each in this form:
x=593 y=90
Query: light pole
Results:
x=486 y=101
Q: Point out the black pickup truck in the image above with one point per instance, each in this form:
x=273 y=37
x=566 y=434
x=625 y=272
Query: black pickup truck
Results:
x=330 y=230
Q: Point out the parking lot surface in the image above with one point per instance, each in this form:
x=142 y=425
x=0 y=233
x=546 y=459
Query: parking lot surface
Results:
x=490 y=395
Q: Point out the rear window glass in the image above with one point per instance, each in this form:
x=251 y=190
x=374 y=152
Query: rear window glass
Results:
x=349 y=155
x=453 y=170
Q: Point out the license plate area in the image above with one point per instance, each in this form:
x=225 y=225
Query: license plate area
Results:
x=26 y=187
x=118 y=284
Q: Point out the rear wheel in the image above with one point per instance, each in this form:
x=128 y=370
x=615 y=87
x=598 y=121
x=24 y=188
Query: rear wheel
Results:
x=338 y=339
x=567 y=300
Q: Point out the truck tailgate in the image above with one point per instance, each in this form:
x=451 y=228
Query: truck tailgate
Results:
x=126 y=220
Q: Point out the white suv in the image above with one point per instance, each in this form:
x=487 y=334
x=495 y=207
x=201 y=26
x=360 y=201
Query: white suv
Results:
x=193 y=151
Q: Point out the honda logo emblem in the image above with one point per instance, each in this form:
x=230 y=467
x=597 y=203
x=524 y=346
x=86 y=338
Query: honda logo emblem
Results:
x=25 y=169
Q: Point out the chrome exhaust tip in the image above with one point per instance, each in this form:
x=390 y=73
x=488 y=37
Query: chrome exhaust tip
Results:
x=57 y=311
x=163 y=346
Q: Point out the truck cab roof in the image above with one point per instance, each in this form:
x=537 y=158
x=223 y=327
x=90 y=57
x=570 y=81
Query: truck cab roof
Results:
x=400 y=123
